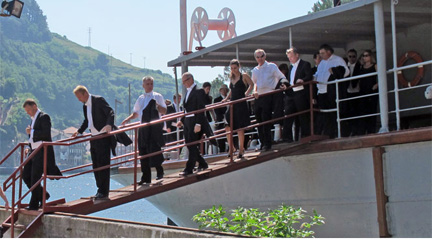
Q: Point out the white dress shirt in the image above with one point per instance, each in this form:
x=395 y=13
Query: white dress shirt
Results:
x=144 y=99
x=33 y=144
x=266 y=77
x=91 y=126
x=351 y=89
x=322 y=75
x=292 y=76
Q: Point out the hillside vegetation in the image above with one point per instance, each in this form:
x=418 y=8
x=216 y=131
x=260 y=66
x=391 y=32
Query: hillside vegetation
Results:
x=46 y=66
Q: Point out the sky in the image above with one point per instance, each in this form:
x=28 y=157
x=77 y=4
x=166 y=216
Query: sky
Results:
x=146 y=33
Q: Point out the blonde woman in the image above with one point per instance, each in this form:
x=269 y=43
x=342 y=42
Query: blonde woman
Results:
x=240 y=86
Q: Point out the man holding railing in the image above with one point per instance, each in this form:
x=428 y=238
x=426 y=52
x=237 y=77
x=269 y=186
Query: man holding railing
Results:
x=330 y=68
x=297 y=98
x=266 y=77
x=149 y=107
x=39 y=131
x=99 y=118
x=195 y=125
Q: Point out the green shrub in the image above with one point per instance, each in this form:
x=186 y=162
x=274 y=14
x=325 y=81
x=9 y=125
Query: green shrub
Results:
x=285 y=221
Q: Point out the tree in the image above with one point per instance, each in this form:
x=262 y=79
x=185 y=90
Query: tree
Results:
x=325 y=4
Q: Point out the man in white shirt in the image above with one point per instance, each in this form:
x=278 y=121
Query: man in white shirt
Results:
x=149 y=107
x=266 y=77
x=330 y=68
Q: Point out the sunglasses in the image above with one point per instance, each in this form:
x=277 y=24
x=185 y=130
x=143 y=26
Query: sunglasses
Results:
x=352 y=56
x=365 y=55
x=260 y=56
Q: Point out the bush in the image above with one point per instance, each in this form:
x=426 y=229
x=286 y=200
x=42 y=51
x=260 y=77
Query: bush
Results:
x=286 y=221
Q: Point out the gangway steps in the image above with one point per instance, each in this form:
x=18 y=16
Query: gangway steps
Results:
x=86 y=205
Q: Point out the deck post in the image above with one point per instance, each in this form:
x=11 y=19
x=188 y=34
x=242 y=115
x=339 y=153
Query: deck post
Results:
x=381 y=63
x=381 y=197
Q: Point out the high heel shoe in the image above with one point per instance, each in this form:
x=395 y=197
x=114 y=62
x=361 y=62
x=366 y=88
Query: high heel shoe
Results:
x=240 y=155
x=229 y=155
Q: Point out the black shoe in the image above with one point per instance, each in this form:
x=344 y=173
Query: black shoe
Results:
x=159 y=177
x=142 y=182
x=201 y=169
x=185 y=173
x=267 y=148
x=101 y=196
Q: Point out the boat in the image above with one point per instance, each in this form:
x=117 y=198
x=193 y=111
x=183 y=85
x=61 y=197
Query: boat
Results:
x=377 y=185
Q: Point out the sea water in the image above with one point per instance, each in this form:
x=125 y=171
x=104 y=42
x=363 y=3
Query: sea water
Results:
x=85 y=186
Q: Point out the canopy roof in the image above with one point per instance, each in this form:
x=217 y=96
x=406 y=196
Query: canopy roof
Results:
x=335 y=26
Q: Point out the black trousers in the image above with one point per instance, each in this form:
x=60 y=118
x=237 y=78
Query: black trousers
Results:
x=263 y=112
x=194 y=153
x=146 y=170
x=32 y=172
x=146 y=165
x=326 y=121
x=101 y=156
x=296 y=103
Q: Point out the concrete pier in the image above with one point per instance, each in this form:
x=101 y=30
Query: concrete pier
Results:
x=60 y=225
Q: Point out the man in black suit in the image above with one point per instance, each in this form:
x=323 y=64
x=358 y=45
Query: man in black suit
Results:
x=38 y=131
x=220 y=114
x=99 y=118
x=195 y=125
x=297 y=98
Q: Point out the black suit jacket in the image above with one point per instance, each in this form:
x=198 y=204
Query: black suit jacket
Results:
x=169 y=124
x=42 y=132
x=304 y=71
x=102 y=114
x=197 y=100
x=220 y=112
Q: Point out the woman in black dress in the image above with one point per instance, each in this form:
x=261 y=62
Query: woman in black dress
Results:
x=241 y=85
x=368 y=85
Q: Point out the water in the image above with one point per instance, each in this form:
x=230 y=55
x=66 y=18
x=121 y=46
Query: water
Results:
x=85 y=186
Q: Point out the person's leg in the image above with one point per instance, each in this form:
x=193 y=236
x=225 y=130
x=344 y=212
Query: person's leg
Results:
x=241 y=138
x=146 y=171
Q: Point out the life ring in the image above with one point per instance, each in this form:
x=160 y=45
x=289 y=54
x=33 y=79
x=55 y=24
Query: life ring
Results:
x=420 y=70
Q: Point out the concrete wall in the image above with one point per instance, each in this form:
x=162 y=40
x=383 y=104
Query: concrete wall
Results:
x=408 y=184
x=65 y=226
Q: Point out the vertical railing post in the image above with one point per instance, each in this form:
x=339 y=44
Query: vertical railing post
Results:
x=337 y=109
x=45 y=147
x=395 y=75
x=312 y=130
x=21 y=172
x=231 y=136
x=135 y=158
x=13 y=207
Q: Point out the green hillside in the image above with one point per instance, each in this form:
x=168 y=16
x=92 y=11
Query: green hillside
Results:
x=46 y=66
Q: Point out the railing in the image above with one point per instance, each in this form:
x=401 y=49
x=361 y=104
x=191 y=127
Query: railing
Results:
x=11 y=181
x=396 y=91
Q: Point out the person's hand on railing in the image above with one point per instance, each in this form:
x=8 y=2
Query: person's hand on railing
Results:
x=197 y=128
x=126 y=121
x=179 y=124
x=225 y=100
x=375 y=87
x=26 y=151
x=299 y=81
x=107 y=129
x=75 y=134
x=283 y=86
x=255 y=94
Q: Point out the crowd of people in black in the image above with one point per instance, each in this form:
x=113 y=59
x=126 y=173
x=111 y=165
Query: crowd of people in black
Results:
x=295 y=98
